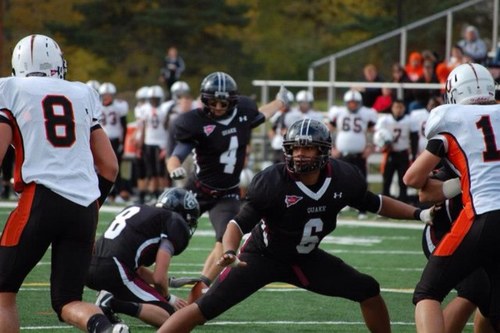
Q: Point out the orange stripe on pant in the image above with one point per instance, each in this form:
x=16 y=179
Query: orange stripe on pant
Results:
x=18 y=218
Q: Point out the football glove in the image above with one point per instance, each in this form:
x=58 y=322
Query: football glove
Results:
x=282 y=95
x=179 y=173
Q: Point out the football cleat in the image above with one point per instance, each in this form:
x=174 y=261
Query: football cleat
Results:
x=104 y=302
x=117 y=328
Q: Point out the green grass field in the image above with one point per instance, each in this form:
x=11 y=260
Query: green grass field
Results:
x=388 y=250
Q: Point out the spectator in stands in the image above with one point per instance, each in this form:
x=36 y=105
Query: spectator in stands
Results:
x=370 y=74
x=399 y=75
x=473 y=46
x=173 y=66
x=421 y=96
x=457 y=57
x=431 y=56
x=383 y=102
x=415 y=66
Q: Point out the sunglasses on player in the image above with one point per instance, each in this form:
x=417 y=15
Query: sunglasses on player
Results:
x=224 y=103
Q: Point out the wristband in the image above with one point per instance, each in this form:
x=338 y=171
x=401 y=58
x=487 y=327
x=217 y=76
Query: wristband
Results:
x=231 y=252
x=105 y=186
x=416 y=214
x=171 y=299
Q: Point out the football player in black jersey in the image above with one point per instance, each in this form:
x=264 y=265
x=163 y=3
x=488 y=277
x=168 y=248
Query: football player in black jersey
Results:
x=138 y=237
x=289 y=208
x=219 y=133
x=473 y=291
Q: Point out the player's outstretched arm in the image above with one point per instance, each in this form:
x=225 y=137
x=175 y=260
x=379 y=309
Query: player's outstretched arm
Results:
x=281 y=100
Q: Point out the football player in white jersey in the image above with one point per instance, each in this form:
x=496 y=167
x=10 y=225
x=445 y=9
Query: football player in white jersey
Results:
x=59 y=144
x=141 y=97
x=154 y=140
x=397 y=157
x=419 y=119
x=114 y=121
x=351 y=124
x=305 y=102
x=465 y=133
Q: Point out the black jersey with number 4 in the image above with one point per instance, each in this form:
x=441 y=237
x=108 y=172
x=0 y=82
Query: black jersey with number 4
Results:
x=220 y=145
x=289 y=218
x=134 y=236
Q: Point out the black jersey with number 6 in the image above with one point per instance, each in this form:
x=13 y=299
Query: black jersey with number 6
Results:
x=220 y=145
x=289 y=218
x=134 y=236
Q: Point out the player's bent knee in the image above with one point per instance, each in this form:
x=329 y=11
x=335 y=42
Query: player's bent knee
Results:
x=368 y=289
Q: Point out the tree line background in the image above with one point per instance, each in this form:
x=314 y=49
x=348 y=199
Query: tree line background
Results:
x=124 y=41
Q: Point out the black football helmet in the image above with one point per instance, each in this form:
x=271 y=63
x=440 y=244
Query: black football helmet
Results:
x=183 y=202
x=219 y=86
x=307 y=132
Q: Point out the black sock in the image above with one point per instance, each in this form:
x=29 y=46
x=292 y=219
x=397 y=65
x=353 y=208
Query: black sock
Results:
x=129 y=308
x=98 y=323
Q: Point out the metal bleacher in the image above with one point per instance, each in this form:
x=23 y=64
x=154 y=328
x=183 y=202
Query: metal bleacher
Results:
x=260 y=144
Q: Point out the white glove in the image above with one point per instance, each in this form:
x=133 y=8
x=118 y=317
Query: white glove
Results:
x=452 y=188
x=179 y=173
x=427 y=215
x=284 y=96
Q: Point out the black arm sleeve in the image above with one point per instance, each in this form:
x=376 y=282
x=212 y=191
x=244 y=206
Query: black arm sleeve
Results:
x=370 y=202
x=247 y=218
x=182 y=150
x=436 y=147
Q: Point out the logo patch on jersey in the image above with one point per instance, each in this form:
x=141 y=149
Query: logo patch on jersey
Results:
x=291 y=200
x=208 y=129
x=243 y=119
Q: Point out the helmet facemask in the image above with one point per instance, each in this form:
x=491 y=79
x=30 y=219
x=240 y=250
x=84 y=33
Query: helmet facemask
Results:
x=307 y=133
x=219 y=90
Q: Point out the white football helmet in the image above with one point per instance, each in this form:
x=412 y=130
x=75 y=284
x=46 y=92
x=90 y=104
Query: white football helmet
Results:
x=38 y=55
x=156 y=92
x=382 y=137
x=107 y=88
x=304 y=96
x=94 y=84
x=142 y=93
x=353 y=95
x=470 y=84
x=179 y=88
